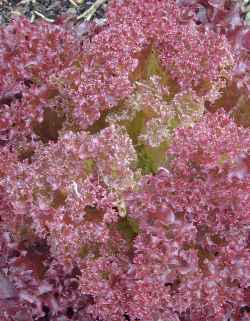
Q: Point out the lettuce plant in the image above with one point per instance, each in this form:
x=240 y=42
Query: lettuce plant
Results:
x=125 y=166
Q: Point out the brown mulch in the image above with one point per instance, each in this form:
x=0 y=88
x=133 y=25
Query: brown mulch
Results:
x=46 y=9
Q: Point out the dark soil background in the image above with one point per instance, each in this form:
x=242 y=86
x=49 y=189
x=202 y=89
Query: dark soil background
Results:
x=50 y=9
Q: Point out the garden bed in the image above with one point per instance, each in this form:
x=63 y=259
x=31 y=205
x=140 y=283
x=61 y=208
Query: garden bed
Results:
x=47 y=9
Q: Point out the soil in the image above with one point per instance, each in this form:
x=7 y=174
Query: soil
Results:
x=50 y=9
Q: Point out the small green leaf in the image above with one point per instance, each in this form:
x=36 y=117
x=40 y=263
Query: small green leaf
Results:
x=145 y=160
x=105 y=275
x=128 y=227
x=89 y=165
x=84 y=251
x=223 y=158
x=92 y=249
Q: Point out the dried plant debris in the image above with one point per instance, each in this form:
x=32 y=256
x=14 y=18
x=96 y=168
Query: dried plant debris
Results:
x=49 y=10
x=245 y=8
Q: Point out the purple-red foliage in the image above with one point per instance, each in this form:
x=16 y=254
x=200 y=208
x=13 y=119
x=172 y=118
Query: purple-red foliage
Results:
x=50 y=67
x=30 y=54
x=190 y=54
x=194 y=225
x=227 y=18
x=84 y=233
x=33 y=52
